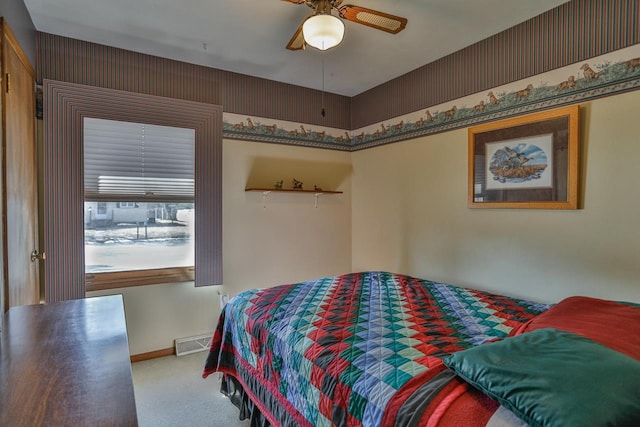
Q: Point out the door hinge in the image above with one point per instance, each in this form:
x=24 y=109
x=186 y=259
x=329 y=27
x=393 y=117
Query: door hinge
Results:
x=8 y=82
x=35 y=255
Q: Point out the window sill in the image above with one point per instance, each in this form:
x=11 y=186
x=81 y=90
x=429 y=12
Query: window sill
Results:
x=126 y=279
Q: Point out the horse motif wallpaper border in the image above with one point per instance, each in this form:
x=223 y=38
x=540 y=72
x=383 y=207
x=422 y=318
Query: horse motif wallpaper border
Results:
x=606 y=75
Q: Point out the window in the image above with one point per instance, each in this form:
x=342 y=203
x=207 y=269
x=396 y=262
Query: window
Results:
x=149 y=239
x=101 y=208
x=152 y=236
x=66 y=106
x=125 y=205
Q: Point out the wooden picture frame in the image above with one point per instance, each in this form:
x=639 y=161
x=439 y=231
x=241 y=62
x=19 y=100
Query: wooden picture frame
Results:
x=527 y=162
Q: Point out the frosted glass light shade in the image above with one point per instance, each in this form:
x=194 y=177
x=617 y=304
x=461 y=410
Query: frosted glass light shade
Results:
x=323 y=31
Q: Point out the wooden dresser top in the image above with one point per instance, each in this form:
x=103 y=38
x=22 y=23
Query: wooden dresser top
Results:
x=66 y=364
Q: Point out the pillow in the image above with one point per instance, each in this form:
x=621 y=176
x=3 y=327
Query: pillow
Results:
x=610 y=323
x=555 y=378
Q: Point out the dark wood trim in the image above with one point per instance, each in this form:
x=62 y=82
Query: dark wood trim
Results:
x=153 y=354
x=126 y=279
x=18 y=176
x=4 y=263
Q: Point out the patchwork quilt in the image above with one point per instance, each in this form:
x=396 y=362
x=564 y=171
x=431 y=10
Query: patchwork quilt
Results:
x=358 y=349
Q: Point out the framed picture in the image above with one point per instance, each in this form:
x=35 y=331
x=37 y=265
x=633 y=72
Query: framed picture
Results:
x=527 y=162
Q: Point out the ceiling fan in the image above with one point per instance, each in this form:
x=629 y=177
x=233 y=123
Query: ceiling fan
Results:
x=323 y=30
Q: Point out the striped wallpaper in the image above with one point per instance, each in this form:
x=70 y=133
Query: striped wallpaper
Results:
x=572 y=32
x=66 y=104
x=75 y=61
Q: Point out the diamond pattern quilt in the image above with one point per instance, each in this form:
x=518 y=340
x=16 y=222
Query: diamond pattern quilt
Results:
x=355 y=349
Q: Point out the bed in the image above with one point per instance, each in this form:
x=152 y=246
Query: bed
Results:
x=385 y=349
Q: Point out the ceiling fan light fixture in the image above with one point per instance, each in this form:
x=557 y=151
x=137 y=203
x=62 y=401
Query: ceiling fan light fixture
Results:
x=323 y=31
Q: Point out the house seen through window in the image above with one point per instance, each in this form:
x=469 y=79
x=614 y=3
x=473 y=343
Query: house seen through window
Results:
x=121 y=236
x=139 y=196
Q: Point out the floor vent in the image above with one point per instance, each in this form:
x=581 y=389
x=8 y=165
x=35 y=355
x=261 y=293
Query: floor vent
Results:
x=193 y=344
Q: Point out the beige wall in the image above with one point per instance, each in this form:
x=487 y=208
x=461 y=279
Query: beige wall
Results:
x=404 y=209
x=158 y=314
x=410 y=216
x=289 y=240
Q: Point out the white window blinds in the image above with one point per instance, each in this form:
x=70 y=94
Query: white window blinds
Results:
x=135 y=161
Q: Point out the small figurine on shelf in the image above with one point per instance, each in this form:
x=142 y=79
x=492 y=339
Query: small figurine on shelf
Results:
x=297 y=185
x=278 y=185
x=316 y=188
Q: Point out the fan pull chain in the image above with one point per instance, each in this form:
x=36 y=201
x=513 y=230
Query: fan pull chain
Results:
x=322 y=112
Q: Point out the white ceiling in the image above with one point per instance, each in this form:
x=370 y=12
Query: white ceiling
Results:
x=249 y=36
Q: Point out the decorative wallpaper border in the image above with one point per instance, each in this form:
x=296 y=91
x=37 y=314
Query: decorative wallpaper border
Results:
x=235 y=126
x=606 y=75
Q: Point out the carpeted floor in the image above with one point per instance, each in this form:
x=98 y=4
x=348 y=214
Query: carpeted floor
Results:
x=170 y=392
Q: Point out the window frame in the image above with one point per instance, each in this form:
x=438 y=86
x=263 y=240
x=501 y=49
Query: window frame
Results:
x=65 y=106
x=130 y=278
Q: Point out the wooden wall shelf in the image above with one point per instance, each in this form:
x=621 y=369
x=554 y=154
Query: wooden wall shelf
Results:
x=265 y=192
x=291 y=190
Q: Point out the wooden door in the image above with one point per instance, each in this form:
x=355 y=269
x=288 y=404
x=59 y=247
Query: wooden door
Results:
x=20 y=202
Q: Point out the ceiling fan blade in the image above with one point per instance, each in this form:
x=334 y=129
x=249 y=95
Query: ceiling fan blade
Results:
x=297 y=41
x=372 y=18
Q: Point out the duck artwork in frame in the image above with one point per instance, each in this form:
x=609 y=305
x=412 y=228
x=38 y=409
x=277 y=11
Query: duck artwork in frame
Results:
x=526 y=162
